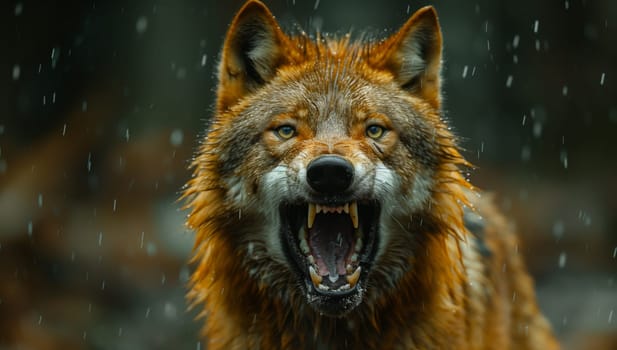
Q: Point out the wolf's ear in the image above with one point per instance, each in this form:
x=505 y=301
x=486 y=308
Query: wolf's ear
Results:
x=413 y=55
x=252 y=51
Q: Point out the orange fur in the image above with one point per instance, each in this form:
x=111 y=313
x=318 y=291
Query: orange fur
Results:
x=436 y=282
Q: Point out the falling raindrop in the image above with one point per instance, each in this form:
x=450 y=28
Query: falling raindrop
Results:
x=465 y=71
x=204 y=58
x=525 y=153
x=559 y=229
x=141 y=25
x=537 y=129
x=176 y=137
x=562 y=260
x=564 y=90
x=30 y=228
x=40 y=200
x=536 y=25
x=16 y=72
x=316 y=5
x=602 y=78
x=147 y=313
x=55 y=56
x=509 y=81
x=114 y=205
x=84 y=106
x=515 y=41
x=563 y=157
x=89 y=163
x=19 y=9
x=64 y=129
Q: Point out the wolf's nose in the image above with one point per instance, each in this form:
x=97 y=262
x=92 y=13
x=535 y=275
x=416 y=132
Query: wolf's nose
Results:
x=329 y=174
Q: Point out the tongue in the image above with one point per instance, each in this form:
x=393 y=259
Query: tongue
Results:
x=330 y=241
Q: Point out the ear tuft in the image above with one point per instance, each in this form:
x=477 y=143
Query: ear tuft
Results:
x=251 y=53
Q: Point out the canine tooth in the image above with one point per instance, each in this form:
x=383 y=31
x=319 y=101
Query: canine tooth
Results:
x=354 y=277
x=346 y=208
x=315 y=278
x=358 y=245
x=318 y=208
x=348 y=268
x=311 y=215
x=353 y=213
x=339 y=209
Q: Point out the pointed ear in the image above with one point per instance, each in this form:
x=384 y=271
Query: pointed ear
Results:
x=252 y=51
x=413 y=55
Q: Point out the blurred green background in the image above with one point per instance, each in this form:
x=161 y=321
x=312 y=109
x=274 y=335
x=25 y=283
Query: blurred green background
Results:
x=104 y=103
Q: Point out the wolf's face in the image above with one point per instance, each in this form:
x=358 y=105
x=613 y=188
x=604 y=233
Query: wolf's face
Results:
x=328 y=149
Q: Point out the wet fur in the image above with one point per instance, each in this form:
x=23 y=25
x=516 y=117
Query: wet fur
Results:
x=447 y=274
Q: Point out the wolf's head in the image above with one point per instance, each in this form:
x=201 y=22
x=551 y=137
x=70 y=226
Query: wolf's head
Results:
x=322 y=166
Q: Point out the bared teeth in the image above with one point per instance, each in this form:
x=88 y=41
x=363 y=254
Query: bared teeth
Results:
x=353 y=213
x=311 y=214
x=348 y=208
x=354 y=277
x=315 y=276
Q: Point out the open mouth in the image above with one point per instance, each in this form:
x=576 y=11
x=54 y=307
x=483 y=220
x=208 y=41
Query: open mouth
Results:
x=332 y=248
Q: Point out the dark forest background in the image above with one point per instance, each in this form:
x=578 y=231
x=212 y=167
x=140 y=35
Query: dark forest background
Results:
x=103 y=103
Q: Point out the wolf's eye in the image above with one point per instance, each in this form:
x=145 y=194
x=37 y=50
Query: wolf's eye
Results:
x=286 y=132
x=375 y=131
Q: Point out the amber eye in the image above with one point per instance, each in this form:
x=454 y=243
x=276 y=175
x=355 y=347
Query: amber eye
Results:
x=375 y=131
x=286 y=132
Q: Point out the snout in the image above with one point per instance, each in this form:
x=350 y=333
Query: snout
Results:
x=330 y=174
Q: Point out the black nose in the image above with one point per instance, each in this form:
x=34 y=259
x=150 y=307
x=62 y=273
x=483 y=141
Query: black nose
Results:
x=329 y=174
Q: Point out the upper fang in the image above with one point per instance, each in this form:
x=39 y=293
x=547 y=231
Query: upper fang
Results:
x=311 y=214
x=353 y=213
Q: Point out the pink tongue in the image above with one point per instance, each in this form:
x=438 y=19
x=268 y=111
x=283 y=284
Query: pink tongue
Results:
x=330 y=242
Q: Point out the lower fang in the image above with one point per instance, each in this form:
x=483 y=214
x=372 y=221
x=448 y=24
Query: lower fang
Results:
x=315 y=278
x=354 y=277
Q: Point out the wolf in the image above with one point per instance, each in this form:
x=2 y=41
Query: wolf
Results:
x=330 y=205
